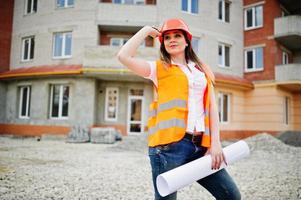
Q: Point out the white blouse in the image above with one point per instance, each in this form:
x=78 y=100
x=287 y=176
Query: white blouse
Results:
x=197 y=85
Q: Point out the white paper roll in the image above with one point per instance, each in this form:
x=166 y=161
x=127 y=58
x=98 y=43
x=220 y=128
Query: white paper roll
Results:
x=184 y=175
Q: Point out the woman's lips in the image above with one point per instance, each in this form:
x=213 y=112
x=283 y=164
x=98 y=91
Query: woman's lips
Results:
x=173 y=46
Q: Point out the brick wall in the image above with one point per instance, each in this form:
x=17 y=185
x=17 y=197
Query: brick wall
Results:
x=6 y=21
x=272 y=53
x=151 y=2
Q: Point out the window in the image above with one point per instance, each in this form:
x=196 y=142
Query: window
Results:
x=62 y=45
x=190 y=6
x=59 y=101
x=284 y=58
x=223 y=107
x=64 y=3
x=286 y=109
x=31 y=6
x=24 y=102
x=138 y=2
x=224 y=10
x=223 y=55
x=111 y=104
x=195 y=44
x=118 y=42
x=254 y=59
x=253 y=17
x=136 y=92
x=27 y=48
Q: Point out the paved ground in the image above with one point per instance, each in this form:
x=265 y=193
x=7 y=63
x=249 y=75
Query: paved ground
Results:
x=57 y=170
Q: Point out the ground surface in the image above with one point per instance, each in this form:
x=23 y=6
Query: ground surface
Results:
x=57 y=170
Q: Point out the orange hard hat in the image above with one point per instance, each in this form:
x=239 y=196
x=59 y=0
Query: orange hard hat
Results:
x=173 y=24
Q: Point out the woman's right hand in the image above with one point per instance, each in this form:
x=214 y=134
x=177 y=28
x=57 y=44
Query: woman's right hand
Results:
x=152 y=31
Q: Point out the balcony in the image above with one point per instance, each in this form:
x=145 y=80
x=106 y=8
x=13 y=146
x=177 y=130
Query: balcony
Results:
x=126 y=15
x=289 y=76
x=101 y=60
x=287 y=31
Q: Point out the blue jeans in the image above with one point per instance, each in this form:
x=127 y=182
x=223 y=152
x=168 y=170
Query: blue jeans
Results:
x=166 y=157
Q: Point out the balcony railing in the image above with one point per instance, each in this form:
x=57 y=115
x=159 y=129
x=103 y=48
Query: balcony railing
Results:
x=287 y=31
x=289 y=72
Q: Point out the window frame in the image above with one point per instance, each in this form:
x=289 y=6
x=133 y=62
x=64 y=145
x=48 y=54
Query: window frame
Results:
x=106 y=104
x=135 y=2
x=60 y=109
x=31 y=40
x=198 y=44
x=253 y=50
x=28 y=102
x=189 y=7
x=253 y=8
x=220 y=98
x=223 y=10
x=65 y=5
x=285 y=58
x=32 y=11
x=287 y=103
x=63 y=45
x=120 y=39
x=224 y=45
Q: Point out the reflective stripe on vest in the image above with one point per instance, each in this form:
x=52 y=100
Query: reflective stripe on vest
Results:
x=168 y=124
x=168 y=105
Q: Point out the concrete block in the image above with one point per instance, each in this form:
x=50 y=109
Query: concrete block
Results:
x=78 y=134
x=103 y=135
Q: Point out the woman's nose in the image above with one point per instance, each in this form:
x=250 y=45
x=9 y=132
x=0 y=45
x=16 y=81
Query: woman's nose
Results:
x=172 y=39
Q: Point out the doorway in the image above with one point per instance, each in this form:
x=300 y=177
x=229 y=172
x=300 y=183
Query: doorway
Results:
x=135 y=124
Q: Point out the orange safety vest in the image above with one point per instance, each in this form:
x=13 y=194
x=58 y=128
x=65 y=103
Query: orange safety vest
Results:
x=168 y=113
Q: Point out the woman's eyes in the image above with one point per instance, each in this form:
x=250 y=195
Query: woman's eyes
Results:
x=167 y=37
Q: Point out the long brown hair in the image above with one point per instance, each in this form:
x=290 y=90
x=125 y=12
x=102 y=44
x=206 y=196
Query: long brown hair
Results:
x=189 y=55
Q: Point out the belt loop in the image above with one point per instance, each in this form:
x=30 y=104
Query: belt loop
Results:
x=193 y=138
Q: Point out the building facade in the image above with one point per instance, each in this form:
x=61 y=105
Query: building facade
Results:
x=272 y=61
x=63 y=70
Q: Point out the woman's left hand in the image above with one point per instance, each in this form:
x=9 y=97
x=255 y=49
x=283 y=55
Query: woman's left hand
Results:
x=217 y=155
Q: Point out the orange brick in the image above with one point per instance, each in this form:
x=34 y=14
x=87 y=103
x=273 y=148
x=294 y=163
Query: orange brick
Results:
x=33 y=130
x=6 y=21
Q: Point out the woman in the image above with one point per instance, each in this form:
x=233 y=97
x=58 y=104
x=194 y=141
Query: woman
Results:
x=183 y=121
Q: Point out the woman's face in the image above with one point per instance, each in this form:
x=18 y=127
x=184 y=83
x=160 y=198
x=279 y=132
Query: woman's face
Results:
x=174 y=42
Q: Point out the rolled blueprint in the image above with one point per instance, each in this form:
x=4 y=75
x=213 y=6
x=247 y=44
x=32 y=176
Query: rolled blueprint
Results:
x=184 y=175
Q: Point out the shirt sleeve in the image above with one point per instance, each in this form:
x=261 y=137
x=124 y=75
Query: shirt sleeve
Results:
x=153 y=74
